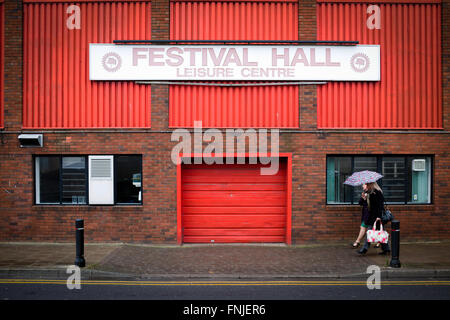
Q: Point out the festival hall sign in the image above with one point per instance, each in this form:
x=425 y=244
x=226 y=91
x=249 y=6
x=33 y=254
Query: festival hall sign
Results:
x=234 y=62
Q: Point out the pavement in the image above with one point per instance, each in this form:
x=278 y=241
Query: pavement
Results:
x=127 y=261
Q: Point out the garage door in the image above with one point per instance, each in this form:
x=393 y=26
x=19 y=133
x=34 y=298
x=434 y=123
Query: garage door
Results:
x=233 y=203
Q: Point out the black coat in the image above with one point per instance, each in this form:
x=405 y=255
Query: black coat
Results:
x=376 y=207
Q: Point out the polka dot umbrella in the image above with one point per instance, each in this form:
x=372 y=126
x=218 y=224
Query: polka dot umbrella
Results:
x=362 y=177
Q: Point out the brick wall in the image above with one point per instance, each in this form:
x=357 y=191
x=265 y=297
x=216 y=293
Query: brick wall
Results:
x=13 y=64
x=308 y=97
x=160 y=93
x=156 y=220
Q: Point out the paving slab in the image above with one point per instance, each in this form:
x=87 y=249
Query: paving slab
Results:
x=42 y=254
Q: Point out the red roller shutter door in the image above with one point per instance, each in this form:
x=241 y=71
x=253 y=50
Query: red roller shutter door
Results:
x=233 y=203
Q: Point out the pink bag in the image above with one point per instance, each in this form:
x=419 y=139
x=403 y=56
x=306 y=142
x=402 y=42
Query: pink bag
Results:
x=377 y=235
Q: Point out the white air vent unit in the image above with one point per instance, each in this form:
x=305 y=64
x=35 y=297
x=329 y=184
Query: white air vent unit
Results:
x=101 y=168
x=418 y=165
x=101 y=180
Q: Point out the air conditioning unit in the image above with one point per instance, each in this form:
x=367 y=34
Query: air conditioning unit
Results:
x=101 y=180
x=418 y=165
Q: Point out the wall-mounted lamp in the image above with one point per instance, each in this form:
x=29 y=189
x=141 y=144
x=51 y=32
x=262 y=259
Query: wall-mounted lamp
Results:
x=28 y=140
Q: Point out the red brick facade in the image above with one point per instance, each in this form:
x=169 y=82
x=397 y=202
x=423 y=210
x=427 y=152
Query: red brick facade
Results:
x=156 y=220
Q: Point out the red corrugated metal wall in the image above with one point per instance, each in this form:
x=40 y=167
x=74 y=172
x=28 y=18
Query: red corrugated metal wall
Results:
x=57 y=91
x=409 y=93
x=233 y=203
x=2 y=62
x=222 y=107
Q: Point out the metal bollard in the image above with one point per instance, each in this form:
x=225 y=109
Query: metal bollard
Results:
x=79 y=260
x=395 y=243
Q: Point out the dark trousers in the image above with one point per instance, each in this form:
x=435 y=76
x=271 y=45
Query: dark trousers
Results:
x=384 y=246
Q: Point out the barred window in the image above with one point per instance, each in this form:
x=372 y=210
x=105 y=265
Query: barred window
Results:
x=406 y=179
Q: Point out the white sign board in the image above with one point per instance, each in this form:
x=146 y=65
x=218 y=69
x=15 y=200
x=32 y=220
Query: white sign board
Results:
x=220 y=62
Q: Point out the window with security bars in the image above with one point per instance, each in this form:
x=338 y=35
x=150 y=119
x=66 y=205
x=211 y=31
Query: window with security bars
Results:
x=73 y=180
x=394 y=173
x=406 y=179
x=65 y=179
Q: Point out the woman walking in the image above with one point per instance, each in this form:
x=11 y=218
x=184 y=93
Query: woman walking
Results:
x=364 y=217
x=374 y=200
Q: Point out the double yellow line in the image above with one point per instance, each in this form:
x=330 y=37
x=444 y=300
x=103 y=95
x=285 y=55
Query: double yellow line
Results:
x=228 y=283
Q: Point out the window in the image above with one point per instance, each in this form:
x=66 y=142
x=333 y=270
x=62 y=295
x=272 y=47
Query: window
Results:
x=394 y=184
x=406 y=179
x=73 y=180
x=128 y=179
x=65 y=179
x=338 y=169
x=47 y=180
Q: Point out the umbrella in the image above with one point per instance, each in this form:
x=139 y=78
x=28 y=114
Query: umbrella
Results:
x=362 y=177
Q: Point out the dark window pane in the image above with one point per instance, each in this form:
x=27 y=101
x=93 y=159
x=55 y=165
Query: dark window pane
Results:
x=361 y=164
x=128 y=179
x=47 y=180
x=338 y=169
x=74 y=180
x=393 y=170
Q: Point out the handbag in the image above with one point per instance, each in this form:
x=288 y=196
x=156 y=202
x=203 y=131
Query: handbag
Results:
x=386 y=214
x=374 y=235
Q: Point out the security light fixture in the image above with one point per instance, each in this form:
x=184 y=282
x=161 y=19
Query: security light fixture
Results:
x=31 y=140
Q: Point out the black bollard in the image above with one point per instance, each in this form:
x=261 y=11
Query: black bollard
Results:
x=79 y=259
x=395 y=243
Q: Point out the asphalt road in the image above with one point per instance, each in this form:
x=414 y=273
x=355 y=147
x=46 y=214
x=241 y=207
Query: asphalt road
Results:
x=221 y=299
x=39 y=289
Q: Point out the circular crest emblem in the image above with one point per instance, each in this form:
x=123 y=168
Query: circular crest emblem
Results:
x=360 y=62
x=111 y=62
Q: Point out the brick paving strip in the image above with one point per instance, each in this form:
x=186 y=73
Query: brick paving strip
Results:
x=216 y=260
x=235 y=260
